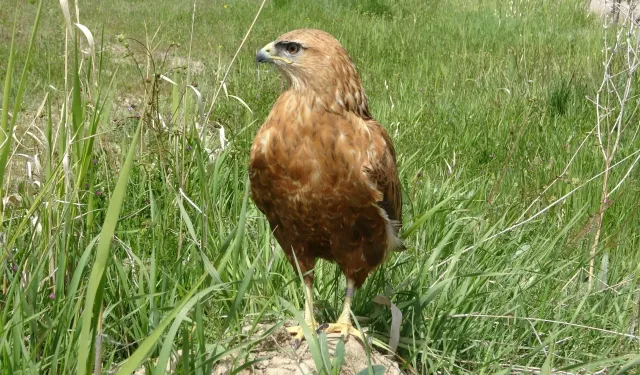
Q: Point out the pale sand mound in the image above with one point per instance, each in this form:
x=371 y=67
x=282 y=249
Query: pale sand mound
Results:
x=275 y=356
x=281 y=359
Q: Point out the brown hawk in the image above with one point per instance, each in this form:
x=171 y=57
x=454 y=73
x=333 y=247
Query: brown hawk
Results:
x=323 y=171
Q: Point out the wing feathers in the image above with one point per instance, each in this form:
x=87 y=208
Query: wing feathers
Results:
x=383 y=174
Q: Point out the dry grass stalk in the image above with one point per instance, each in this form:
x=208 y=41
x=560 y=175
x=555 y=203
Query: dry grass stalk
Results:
x=615 y=106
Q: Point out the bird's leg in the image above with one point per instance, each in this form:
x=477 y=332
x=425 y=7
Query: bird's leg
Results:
x=308 y=314
x=343 y=325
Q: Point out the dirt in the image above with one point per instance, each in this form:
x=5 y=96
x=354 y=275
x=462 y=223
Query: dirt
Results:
x=281 y=359
x=275 y=356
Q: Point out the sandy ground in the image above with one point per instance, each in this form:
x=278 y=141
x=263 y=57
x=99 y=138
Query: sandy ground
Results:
x=281 y=359
x=275 y=356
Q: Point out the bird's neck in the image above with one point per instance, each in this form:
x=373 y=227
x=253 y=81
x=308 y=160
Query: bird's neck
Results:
x=336 y=97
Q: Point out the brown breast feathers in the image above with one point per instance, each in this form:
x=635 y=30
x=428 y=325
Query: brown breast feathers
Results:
x=328 y=184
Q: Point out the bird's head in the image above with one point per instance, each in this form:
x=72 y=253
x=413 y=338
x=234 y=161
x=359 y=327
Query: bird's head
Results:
x=315 y=62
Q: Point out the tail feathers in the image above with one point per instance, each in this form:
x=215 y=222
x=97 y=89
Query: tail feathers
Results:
x=395 y=243
x=400 y=248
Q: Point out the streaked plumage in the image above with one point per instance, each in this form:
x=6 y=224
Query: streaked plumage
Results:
x=322 y=170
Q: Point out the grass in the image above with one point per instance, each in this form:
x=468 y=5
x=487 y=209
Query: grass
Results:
x=124 y=216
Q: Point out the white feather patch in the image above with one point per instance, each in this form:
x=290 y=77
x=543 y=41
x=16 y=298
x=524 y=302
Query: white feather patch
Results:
x=393 y=242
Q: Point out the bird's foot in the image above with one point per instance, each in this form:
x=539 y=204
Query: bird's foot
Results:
x=299 y=334
x=344 y=329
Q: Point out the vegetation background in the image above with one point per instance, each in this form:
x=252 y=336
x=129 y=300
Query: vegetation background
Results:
x=127 y=231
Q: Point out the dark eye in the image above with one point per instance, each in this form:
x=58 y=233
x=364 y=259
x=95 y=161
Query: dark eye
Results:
x=293 y=48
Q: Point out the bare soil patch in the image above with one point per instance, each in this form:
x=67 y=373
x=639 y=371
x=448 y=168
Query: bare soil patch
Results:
x=275 y=356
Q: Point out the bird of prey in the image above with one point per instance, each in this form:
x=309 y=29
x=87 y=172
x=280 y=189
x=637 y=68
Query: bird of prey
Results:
x=323 y=171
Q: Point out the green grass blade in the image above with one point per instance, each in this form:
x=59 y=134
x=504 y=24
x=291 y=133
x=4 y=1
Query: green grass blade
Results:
x=231 y=317
x=187 y=221
x=134 y=361
x=163 y=359
x=424 y=217
x=77 y=106
x=5 y=134
x=338 y=357
x=633 y=363
x=237 y=242
x=93 y=299
x=7 y=128
x=314 y=347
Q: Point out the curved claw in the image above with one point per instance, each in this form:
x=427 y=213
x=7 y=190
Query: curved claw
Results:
x=322 y=327
x=298 y=334
x=295 y=344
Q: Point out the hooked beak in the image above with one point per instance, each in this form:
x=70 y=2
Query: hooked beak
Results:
x=264 y=55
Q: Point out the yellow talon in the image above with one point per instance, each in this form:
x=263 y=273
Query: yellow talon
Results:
x=299 y=333
x=308 y=317
x=343 y=326
x=344 y=329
